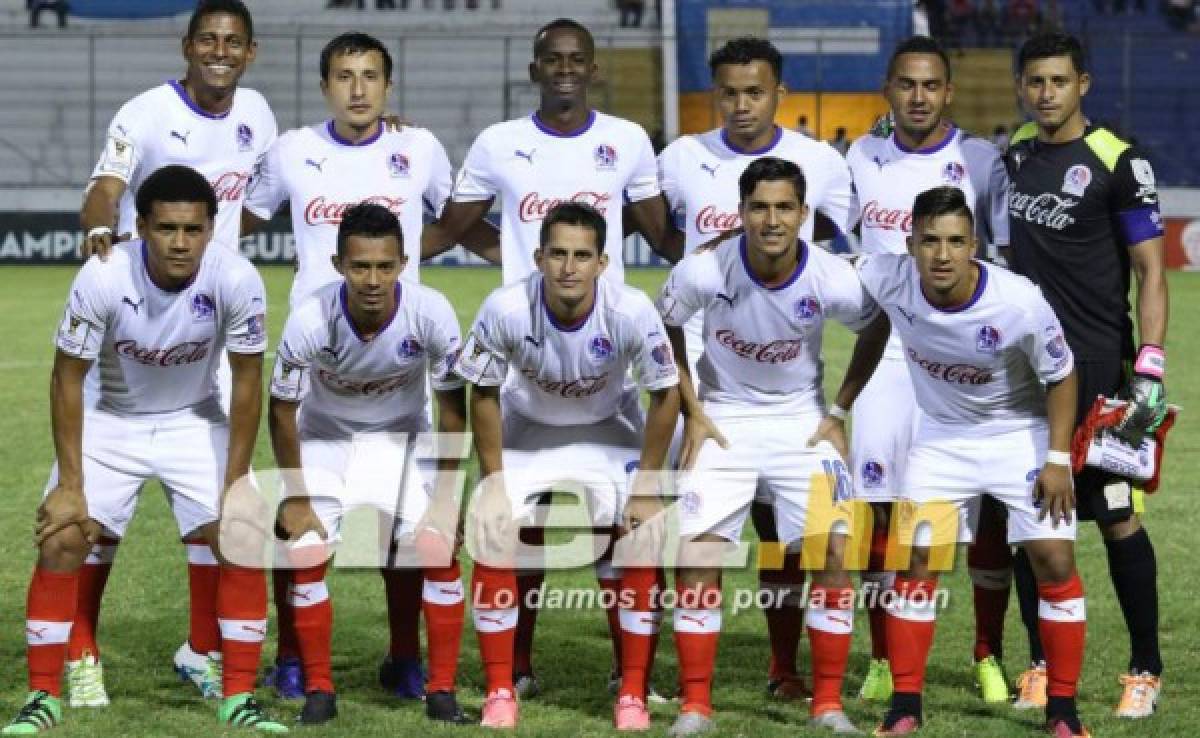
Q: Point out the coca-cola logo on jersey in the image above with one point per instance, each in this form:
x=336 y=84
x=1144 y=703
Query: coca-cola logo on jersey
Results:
x=876 y=216
x=571 y=389
x=534 y=207
x=188 y=352
x=231 y=186
x=773 y=352
x=952 y=373
x=1045 y=209
x=711 y=220
x=320 y=211
x=366 y=388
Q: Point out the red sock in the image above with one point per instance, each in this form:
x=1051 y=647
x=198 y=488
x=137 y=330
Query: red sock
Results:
x=242 y=614
x=92 y=579
x=1062 y=624
x=444 y=607
x=639 y=624
x=49 y=609
x=494 y=593
x=881 y=581
x=527 y=581
x=312 y=612
x=785 y=618
x=830 y=621
x=403 y=587
x=697 y=625
x=204 y=634
x=910 y=620
x=989 y=562
x=285 y=615
x=608 y=578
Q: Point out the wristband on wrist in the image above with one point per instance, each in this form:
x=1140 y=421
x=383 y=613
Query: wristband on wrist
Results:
x=837 y=411
x=100 y=231
x=1151 y=361
x=1058 y=458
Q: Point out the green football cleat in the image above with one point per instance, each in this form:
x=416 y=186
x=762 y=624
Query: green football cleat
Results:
x=40 y=712
x=877 y=687
x=991 y=680
x=243 y=711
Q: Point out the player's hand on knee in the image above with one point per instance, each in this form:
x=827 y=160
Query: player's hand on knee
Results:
x=697 y=429
x=492 y=529
x=833 y=430
x=297 y=517
x=1054 y=491
x=63 y=507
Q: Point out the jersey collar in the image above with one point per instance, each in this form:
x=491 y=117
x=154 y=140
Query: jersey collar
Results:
x=587 y=124
x=332 y=130
x=752 y=152
x=978 y=293
x=350 y=321
x=167 y=290
x=563 y=327
x=175 y=85
x=950 y=135
x=801 y=262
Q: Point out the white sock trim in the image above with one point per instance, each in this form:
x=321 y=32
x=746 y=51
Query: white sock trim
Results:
x=830 y=620
x=442 y=593
x=46 y=632
x=246 y=631
x=308 y=595
x=495 y=620
x=697 y=621
x=1064 y=611
x=639 y=622
x=200 y=554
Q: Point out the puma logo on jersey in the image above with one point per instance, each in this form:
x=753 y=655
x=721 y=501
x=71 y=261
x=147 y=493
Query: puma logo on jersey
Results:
x=710 y=168
x=135 y=305
x=535 y=342
x=728 y=300
x=315 y=164
x=526 y=156
x=331 y=352
x=181 y=136
x=910 y=317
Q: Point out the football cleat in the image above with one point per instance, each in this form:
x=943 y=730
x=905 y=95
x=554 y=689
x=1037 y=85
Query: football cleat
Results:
x=526 y=686
x=991 y=680
x=791 y=687
x=877 y=686
x=499 y=710
x=403 y=677
x=1140 y=697
x=204 y=671
x=319 y=707
x=692 y=723
x=443 y=707
x=1061 y=727
x=1031 y=688
x=898 y=723
x=836 y=721
x=630 y=714
x=287 y=677
x=243 y=711
x=41 y=711
x=85 y=683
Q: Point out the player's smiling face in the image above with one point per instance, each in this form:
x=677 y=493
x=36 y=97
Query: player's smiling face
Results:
x=356 y=90
x=563 y=65
x=175 y=234
x=1052 y=90
x=219 y=52
x=747 y=96
x=571 y=261
x=918 y=90
x=944 y=249
x=371 y=265
x=772 y=215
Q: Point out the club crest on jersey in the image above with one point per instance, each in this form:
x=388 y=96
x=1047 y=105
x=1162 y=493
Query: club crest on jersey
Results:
x=662 y=355
x=1076 y=180
x=398 y=165
x=600 y=348
x=987 y=339
x=245 y=137
x=806 y=309
x=1057 y=346
x=873 y=474
x=605 y=156
x=203 y=308
x=952 y=173
x=409 y=347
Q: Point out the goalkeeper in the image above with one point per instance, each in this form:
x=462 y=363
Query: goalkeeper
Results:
x=1084 y=213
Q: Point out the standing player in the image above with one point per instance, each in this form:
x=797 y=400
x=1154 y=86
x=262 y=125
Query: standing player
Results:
x=564 y=152
x=763 y=303
x=1084 y=210
x=350 y=373
x=980 y=342
x=699 y=176
x=155 y=317
x=923 y=150
x=564 y=339
x=204 y=121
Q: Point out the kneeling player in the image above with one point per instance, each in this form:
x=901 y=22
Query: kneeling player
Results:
x=563 y=339
x=979 y=342
x=155 y=317
x=764 y=300
x=348 y=388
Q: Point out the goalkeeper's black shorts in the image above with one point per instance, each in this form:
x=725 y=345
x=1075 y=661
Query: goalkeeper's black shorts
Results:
x=1100 y=496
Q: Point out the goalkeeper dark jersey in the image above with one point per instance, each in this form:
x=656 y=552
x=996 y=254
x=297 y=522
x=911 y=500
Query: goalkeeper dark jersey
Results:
x=1074 y=210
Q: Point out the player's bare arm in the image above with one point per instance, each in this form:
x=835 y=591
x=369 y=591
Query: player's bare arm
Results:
x=645 y=502
x=1054 y=486
x=296 y=516
x=250 y=223
x=824 y=229
x=650 y=217
x=443 y=514
x=66 y=506
x=697 y=426
x=868 y=350
x=451 y=228
x=1148 y=269
x=492 y=513
x=99 y=212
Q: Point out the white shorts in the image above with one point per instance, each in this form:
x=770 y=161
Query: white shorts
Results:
x=946 y=468
x=885 y=415
x=767 y=452
x=185 y=452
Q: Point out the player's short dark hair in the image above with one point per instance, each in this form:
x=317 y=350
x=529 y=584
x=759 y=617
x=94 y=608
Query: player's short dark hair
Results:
x=354 y=42
x=576 y=214
x=918 y=45
x=941 y=201
x=371 y=220
x=213 y=7
x=175 y=183
x=744 y=50
x=771 y=169
x=1049 y=45
x=560 y=24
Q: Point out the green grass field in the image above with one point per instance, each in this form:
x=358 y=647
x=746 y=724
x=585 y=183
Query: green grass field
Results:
x=145 y=616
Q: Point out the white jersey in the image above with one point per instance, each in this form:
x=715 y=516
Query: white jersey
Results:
x=346 y=385
x=979 y=366
x=164 y=126
x=532 y=168
x=762 y=345
x=567 y=375
x=699 y=177
x=323 y=175
x=157 y=351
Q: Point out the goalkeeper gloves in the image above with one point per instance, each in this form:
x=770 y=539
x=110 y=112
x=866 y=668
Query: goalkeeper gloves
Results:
x=1146 y=395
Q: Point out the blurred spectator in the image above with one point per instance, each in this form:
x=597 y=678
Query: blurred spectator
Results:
x=35 y=7
x=839 y=141
x=1180 y=14
x=935 y=10
x=1022 y=19
x=920 y=19
x=987 y=23
x=802 y=127
x=961 y=14
x=1000 y=136
x=631 y=12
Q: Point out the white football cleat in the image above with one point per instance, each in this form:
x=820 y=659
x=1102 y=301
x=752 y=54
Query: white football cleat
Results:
x=204 y=671
x=85 y=683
